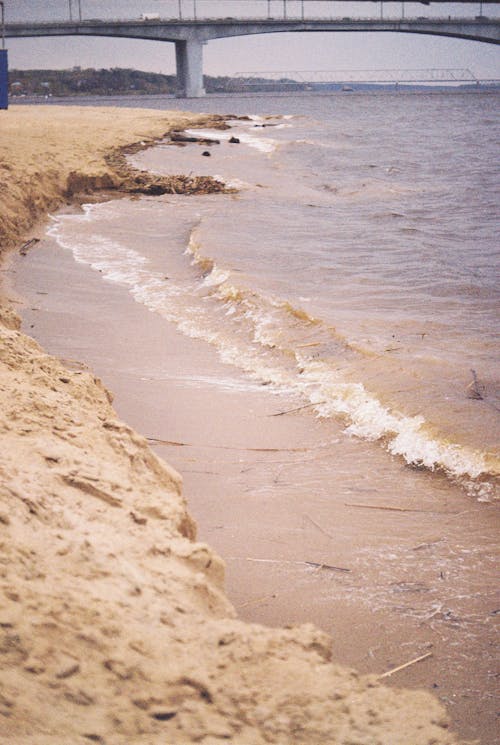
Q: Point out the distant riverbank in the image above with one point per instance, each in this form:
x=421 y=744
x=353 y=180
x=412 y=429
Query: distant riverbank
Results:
x=83 y=82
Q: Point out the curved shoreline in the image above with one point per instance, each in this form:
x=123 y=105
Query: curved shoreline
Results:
x=115 y=623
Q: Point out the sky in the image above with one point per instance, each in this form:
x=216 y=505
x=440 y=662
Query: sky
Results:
x=260 y=53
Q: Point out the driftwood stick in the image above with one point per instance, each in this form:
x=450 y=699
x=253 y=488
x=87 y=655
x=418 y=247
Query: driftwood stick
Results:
x=383 y=507
x=406 y=664
x=167 y=442
x=318 y=526
x=298 y=408
x=326 y=566
x=398 y=509
x=475 y=389
x=173 y=443
x=316 y=564
x=26 y=246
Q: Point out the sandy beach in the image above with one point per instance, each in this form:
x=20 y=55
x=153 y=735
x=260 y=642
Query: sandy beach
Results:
x=115 y=622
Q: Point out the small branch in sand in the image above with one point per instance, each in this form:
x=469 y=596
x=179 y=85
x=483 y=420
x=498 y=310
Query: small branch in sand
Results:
x=475 y=389
x=318 y=526
x=316 y=564
x=173 y=443
x=326 y=566
x=29 y=244
x=406 y=664
x=298 y=408
x=391 y=509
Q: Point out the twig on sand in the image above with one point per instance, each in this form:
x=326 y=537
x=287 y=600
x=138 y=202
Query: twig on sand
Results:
x=318 y=565
x=406 y=664
x=167 y=442
x=29 y=244
x=475 y=389
x=383 y=507
x=298 y=408
x=174 y=443
x=317 y=525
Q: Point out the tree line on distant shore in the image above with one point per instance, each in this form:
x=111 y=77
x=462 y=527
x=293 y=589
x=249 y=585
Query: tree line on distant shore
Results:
x=78 y=81
x=126 y=81
x=119 y=80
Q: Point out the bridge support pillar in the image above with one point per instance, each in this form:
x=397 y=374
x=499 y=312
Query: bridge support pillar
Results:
x=189 y=62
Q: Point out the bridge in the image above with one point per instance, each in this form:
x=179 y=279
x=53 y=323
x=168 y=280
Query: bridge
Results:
x=260 y=80
x=190 y=34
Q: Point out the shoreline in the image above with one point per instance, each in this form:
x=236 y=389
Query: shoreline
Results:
x=421 y=433
x=255 y=488
x=122 y=558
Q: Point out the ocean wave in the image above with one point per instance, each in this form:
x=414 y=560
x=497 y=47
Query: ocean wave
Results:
x=406 y=436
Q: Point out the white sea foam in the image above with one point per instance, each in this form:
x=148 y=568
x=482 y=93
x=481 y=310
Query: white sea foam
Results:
x=234 y=183
x=318 y=143
x=263 y=144
x=242 y=385
x=369 y=419
x=215 y=277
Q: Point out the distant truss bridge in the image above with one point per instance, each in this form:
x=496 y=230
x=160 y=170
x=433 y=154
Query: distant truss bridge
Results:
x=345 y=77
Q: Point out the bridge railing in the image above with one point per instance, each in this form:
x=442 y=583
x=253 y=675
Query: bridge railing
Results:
x=150 y=10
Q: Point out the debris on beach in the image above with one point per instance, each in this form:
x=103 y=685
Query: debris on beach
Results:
x=476 y=389
x=27 y=245
x=181 y=137
x=132 y=180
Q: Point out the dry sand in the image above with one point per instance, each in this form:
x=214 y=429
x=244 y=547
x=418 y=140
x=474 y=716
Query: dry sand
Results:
x=114 y=625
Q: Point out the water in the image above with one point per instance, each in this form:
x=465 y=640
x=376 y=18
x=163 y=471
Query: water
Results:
x=354 y=270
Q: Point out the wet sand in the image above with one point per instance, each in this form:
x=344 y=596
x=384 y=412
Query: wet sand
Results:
x=391 y=576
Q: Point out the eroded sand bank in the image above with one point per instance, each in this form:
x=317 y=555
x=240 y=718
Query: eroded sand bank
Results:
x=114 y=625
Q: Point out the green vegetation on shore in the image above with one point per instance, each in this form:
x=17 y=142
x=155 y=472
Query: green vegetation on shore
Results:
x=78 y=81
x=117 y=80
x=125 y=81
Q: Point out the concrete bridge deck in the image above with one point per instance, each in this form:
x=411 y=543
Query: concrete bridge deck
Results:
x=190 y=35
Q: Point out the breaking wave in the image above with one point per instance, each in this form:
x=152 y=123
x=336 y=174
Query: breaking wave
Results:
x=275 y=343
